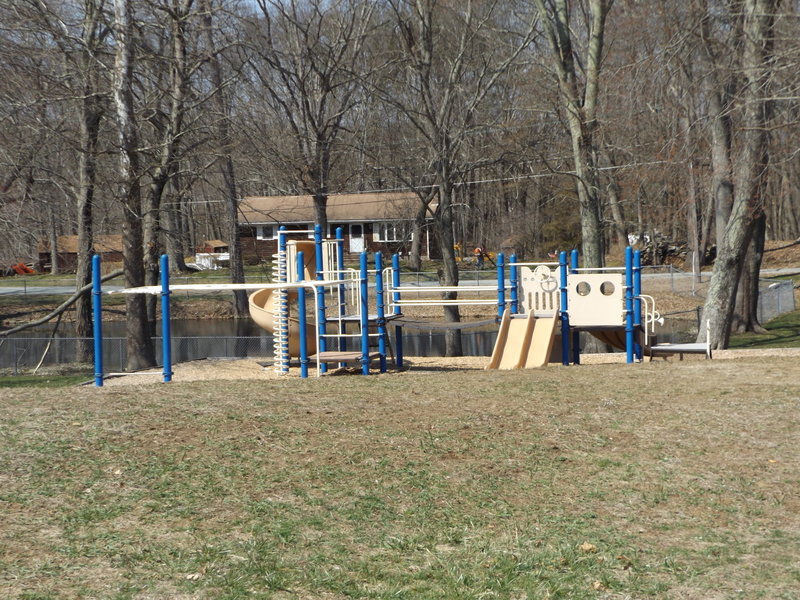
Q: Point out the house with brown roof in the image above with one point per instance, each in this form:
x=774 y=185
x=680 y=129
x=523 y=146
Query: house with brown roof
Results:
x=109 y=247
x=370 y=221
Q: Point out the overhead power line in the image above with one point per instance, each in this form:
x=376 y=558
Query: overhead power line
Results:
x=506 y=179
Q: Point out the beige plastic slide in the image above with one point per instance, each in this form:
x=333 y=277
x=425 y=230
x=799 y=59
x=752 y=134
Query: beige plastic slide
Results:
x=262 y=308
x=523 y=342
x=262 y=312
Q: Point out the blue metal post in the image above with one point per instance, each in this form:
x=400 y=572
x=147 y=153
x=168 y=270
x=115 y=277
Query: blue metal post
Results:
x=340 y=269
x=398 y=330
x=562 y=266
x=501 y=284
x=514 y=275
x=364 y=313
x=166 y=324
x=301 y=316
x=321 y=320
x=381 y=310
x=97 y=310
x=576 y=335
x=637 y=301
x=629 y=304
x=318 y=250
x=283 y=305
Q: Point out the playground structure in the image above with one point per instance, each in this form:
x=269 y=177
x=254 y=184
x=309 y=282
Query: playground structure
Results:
x=327 y=342
x=543 y=300
x=608 y=303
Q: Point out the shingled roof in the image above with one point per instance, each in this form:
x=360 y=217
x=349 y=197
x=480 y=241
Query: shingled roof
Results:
x=68 y=244
x=384 y=206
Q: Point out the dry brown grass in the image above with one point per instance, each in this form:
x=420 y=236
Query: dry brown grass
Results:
x=658 y=480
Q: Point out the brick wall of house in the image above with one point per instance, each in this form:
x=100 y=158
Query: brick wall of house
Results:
x=255 y=250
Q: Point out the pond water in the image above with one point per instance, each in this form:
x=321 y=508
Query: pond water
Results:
x=202 y=338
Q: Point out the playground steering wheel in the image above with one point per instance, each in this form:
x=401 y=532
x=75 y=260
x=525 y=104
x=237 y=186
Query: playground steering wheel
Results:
x=542 y=273
x=544 y=277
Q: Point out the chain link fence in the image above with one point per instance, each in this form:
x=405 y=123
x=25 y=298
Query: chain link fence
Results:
x=18 y=354
x=776 y=297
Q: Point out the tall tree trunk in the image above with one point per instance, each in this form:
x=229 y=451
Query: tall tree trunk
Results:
x=718 y=91
x=745 y=316
x=172 y=224
x=415 y=256
x=721 y=182
x=141 y=353
x=588 y=198
x=152 y=243
x=705 y=235
x=222 y=108
x=170 y=143
x=53 y=233
x=321 y=210
x=581 y=109
x=448 y=275
x=90 y=117
x=240 y=304
x=750 y=172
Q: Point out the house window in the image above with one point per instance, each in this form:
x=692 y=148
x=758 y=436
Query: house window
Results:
x=332 y=227
x=389 y=232
x=266 y=232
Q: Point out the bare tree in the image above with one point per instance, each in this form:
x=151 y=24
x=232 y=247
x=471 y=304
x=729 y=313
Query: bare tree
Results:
x=140 y=349
x=307 y=57
x=750 y=168
x=168 y=121
x=91 y=111
x=72 y=56
x=449 y=64
x=579 y=99
x=222 y=105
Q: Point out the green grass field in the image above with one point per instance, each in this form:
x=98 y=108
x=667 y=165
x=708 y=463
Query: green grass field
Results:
x=783 y=332
x=669 y=480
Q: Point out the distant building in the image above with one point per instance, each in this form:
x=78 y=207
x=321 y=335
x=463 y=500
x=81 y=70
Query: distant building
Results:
x=213 y=247
x=372 y=222
x=212 y=254
x=109 y=247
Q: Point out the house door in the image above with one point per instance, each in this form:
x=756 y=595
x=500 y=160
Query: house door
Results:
x=356 y=238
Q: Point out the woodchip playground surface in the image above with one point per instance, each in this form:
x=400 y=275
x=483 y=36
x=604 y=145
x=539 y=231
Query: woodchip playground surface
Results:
x=250 y=369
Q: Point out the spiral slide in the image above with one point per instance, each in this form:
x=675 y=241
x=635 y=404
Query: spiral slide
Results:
x=262 y=312
x=262 y=306
x=523 y=342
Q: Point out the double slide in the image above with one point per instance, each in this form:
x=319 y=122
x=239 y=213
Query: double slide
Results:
x=523 y=341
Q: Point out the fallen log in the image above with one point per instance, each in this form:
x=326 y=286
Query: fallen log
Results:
x=61 y=308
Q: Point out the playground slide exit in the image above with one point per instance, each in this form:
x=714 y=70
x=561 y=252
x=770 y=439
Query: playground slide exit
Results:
x=523 y=342
x=262 y=312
